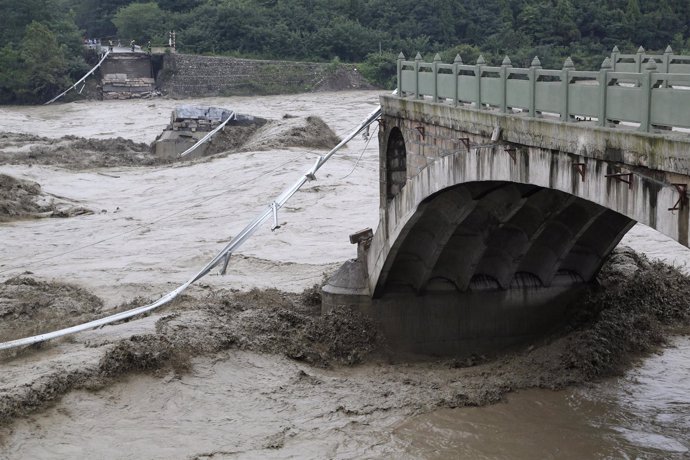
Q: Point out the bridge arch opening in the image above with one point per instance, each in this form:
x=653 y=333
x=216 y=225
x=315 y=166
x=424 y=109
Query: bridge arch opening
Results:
x=495 y=235
x=482 y=266
x=396 y=163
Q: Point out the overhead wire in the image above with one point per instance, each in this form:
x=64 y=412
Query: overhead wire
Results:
x=358 y=159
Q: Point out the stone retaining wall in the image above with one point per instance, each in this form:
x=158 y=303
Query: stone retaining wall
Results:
x=186 y=75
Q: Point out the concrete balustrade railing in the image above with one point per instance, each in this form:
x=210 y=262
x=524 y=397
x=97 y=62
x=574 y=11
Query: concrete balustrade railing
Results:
x=667 y=62
x=630 y=88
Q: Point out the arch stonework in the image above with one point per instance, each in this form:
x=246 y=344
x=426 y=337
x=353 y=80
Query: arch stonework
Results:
x=486 y=246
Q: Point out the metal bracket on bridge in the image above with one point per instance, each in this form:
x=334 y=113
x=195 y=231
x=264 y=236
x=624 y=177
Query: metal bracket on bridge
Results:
x=421 y=129
x=466 y=142
x=226 y=260
x=581 y=169
x=620 y=178
x=366 y=133
x=382 y=123
x=274 y=207
x=311 y=174
x=511 y=151
x=682 y=199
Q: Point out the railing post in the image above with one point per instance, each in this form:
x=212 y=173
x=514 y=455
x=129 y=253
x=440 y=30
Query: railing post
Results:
x=666 y=63
x=401 y=58
x=565 y=89
x=417 y=60
x=603 y=86
x=457 y=62
x=505 y=65
x=434 y=68
x=666 y=59
x=534 y=66
x=647 y=80
x=478 y=75
x=614 y=57
x=639 y=57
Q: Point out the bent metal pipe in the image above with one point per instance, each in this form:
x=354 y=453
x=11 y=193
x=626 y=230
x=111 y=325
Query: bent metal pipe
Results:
x=222 y=256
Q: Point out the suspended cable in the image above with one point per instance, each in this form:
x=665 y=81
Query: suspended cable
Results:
x=364 y=149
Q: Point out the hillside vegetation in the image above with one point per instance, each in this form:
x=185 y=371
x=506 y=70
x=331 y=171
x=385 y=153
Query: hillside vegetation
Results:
x=40 y=51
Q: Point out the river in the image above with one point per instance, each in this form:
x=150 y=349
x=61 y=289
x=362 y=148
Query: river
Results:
x=240 y=404
x=644 y=414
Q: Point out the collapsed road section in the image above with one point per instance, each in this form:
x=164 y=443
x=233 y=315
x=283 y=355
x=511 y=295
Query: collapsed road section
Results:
x=192 y=126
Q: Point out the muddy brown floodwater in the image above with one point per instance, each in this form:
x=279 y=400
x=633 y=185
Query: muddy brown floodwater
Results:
x=242 y=366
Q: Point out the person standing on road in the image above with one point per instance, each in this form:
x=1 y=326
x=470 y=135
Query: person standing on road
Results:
x=110 y=46
x=132 y=45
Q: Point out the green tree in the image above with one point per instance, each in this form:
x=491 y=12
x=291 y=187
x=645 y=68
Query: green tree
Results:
x=44 y=63
x=42 y=50
x=346 y=39
x=12 y=75
x=141 y=22
x=17 y=15
x=95 y=16
x=381 y=69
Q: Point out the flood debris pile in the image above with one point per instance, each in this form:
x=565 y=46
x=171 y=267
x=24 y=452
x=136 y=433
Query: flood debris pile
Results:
x=19 y=198
x=310 y=132
x=267 y=321
x=242 y=133
x=29 y=306
x=271 y=321
x=22 y=199
x=74 y=152
x=638 y=305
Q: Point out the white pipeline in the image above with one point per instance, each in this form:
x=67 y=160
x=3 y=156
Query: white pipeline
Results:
x=223 y=255
x=208 y=136
x=80 y=80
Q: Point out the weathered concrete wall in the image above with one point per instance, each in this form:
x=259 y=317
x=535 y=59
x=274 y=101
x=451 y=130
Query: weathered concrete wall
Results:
x=186 y=75
x=445 y=123
x=134 y=65
x=546 y=154
x=126 y=75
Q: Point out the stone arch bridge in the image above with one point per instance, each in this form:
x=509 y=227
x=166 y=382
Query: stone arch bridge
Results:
x=503 y=191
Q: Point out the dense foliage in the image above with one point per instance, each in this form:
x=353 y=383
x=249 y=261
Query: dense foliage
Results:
x=42 y=50
x=368 y=31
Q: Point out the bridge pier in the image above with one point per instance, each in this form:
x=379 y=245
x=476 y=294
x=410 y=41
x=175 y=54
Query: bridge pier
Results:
x=451 y=323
